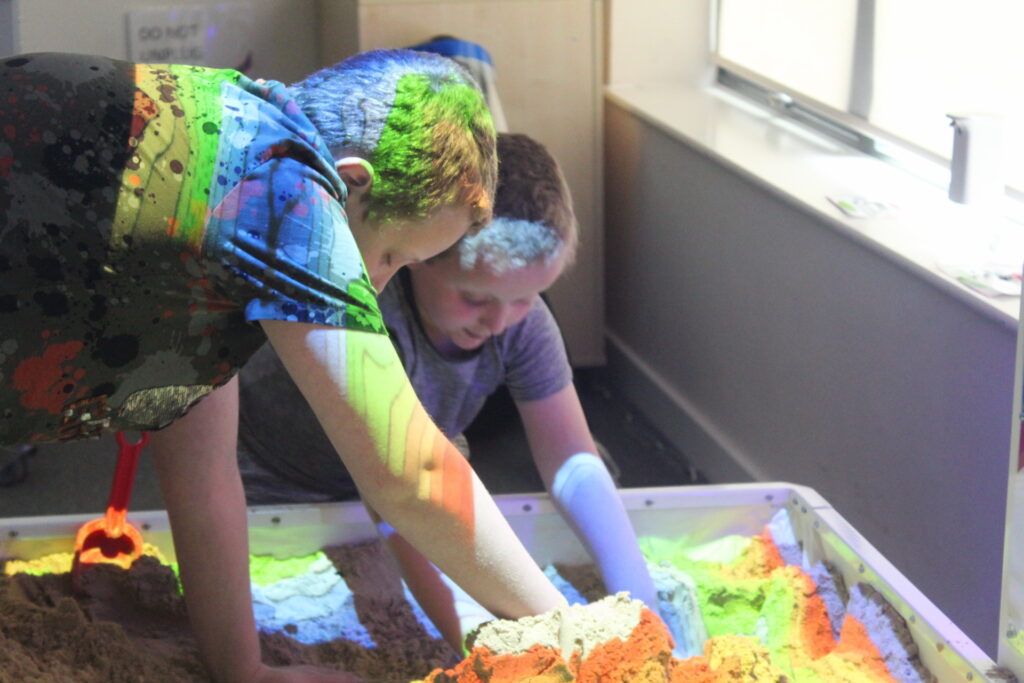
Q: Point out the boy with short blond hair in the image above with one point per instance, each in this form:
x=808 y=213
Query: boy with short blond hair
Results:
x=465 y=323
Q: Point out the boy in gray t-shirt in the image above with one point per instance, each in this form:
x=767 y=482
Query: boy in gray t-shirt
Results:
x=464 y=323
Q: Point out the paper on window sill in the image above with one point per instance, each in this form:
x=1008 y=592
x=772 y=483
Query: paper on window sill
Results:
x=994 y=269
x=858 y=206
x=987 y=281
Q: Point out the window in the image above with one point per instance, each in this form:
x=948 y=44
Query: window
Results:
x=882 y=74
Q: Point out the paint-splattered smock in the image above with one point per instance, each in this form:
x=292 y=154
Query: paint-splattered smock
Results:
x=149 y=214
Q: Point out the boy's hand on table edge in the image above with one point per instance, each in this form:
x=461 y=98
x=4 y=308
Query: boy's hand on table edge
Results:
x=303 y=674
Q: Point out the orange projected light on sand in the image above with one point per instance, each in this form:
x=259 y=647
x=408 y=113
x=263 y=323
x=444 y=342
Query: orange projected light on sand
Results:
x=111 y=538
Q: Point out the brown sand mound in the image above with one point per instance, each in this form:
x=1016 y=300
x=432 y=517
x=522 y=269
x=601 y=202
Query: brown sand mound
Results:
x=131 y=626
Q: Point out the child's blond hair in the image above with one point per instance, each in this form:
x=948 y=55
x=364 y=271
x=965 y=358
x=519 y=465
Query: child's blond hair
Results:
x=533 y=215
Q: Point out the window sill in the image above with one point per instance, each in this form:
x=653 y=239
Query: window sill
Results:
x=805 y=169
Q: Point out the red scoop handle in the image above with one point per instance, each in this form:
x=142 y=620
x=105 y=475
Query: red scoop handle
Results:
x=124 y=473
x=111 y=538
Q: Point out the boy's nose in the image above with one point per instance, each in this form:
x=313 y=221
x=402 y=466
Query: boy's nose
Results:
x=382 y=277
x=497 y=319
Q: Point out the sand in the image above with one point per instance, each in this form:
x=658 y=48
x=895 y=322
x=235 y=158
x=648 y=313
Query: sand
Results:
x=761 y=619
x=737 y=609
x=132 y=626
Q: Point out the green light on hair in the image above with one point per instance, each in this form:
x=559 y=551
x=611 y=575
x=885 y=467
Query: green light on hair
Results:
x=421 y=122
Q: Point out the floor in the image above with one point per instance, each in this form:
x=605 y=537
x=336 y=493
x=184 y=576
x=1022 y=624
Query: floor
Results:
x=75 y=478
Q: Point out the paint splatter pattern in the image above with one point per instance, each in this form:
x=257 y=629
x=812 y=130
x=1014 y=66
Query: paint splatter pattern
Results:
x=149 y=214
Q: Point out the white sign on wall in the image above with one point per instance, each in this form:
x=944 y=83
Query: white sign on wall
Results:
x=208 y=35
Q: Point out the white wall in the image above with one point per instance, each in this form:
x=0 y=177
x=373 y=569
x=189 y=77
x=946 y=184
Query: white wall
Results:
x=655 y=41
x=284 y=40
x=6 y=27
x=768 y=345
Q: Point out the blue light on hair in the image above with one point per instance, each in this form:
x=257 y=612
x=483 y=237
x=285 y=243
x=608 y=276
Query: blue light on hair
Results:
x=349 y=102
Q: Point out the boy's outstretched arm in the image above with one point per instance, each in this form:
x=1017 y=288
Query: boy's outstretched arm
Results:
x=197 y=466
x=406 y=469
x=436 y=597
x=584 y=492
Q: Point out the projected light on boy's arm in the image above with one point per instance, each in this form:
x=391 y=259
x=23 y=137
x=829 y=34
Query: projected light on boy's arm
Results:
x=410 y=444
x=405 y=468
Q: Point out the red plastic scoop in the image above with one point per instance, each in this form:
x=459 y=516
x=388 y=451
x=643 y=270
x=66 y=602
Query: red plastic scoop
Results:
x=111 y=538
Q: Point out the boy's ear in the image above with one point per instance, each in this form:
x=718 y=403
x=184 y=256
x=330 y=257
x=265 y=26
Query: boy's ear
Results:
x=356 y=172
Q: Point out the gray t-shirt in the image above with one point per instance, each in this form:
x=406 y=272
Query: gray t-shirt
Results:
x=280 y=438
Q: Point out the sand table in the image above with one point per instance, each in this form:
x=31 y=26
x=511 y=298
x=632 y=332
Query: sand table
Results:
x=132 y=626
x=737 y=609
x=739 y=612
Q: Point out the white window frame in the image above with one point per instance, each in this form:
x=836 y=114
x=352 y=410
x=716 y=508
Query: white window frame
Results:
x=846 y=127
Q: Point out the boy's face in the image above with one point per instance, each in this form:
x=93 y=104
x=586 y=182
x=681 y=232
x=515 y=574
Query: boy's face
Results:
x=388 y=247
x=461 y=309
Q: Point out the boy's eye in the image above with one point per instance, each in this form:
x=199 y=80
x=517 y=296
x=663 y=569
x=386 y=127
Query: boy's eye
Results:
x=473 y=301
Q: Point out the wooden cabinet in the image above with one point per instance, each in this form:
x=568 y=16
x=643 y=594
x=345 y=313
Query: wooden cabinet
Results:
x=547 y=59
